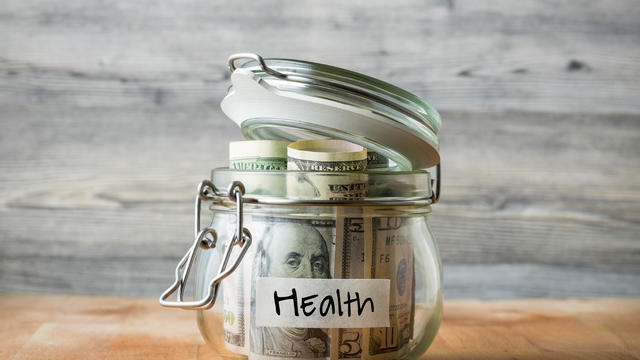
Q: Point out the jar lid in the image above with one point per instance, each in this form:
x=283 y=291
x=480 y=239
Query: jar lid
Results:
x=283 y=99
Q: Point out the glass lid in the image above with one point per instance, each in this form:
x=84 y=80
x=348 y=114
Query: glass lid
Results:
x=291 y=100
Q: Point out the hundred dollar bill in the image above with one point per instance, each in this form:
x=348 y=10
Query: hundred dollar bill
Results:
x=390 y=256
x=282 y=247
x=291 y=248
x=331 y=170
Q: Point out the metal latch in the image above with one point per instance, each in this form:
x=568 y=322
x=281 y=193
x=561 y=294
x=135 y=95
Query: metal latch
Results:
x=207 y=239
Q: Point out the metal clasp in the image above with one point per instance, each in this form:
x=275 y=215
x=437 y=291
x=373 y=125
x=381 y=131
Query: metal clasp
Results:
x=207 y=239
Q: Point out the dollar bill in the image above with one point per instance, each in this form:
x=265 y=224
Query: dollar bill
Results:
x=332 y=170
x=262 y=155
x=236 y=317
x=293 y=248
x=354 y=245
x=349 y=264
x=389 y=255
x=258 y=155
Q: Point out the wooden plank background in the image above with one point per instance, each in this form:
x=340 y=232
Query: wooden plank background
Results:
x=109 y=117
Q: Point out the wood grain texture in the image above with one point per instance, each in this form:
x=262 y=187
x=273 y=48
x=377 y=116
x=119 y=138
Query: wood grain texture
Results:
x=105 y=328
x=553 y=56
x=109 y=117
x=534 y=204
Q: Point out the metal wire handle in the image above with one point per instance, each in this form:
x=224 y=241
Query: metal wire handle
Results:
x=207 y=239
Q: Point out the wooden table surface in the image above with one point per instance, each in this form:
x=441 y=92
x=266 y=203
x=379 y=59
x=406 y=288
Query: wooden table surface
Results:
x=82 y=327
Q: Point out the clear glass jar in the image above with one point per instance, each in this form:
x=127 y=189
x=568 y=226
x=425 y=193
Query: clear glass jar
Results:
x=385 y=236
x=282 y=273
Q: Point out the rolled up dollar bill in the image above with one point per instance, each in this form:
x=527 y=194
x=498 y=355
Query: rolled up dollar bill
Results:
x=332 y=170
x=258 y=155
x=326 y=155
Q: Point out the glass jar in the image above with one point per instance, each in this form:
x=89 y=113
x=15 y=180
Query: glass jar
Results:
x=279 y=276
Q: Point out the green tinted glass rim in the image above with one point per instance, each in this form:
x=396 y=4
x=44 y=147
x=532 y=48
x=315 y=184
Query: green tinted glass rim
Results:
x=382 y=185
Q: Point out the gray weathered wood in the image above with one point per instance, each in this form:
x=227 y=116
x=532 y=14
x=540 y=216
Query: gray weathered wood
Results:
x=539 y=205
x=539 y=56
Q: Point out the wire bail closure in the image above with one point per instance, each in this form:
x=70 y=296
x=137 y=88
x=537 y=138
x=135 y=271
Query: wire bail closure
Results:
x=207 y=239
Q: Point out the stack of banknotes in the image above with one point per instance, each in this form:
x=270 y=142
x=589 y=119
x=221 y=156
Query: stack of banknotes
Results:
x=353 y=243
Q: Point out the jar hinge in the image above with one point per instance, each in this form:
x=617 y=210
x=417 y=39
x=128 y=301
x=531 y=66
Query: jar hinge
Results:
x=435 y=193
x=207 y=239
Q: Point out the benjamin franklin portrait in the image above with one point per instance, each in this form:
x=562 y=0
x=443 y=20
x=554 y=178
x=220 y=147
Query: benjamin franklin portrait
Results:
x=290 y=250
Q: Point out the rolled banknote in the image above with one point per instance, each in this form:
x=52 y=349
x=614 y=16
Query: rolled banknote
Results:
x=331 y=155
x=258 y=155
x=332 y=170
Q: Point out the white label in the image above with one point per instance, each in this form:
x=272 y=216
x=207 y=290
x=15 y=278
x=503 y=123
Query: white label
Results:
x=322 y=303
